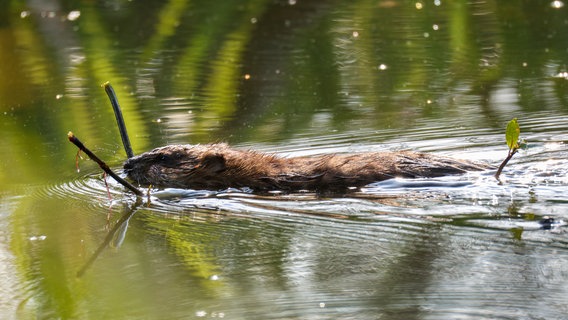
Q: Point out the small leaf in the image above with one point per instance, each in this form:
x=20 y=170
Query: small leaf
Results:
x=512 y=134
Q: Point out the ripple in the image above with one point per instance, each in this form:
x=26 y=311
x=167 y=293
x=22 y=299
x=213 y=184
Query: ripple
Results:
x=89 y=188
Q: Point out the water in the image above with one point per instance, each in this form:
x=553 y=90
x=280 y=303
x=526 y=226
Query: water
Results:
x=293 y=78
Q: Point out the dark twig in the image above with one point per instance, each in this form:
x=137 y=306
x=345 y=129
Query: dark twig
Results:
x=119 y=119
x=103 y=165
x=504 y=163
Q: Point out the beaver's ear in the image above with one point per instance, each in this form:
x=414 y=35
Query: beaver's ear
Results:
x=214 y=162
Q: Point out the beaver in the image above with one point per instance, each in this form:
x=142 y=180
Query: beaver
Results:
x=218 y=166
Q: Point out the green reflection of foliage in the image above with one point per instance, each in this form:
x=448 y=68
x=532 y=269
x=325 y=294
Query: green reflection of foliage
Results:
x=43 y=247
x=316 y=79
x=222 y=87
x=193 y=251
x=332 y=72
x=219 y=46
x=169 y=19
x=191 y=242
x=99 y=67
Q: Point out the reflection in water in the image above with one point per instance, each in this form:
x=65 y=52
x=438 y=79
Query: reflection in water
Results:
x=115 y=236
x=295 y=78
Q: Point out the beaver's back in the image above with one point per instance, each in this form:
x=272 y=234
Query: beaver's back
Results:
x=217 y=166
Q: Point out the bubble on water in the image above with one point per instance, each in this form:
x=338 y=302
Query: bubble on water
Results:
x=214 y=277
x=557 y=4
x=24 y=14
x=291 y=2
x=73 y=15
x=38 y=238
x=200 y=313
x=437 y=3
x=418 y=5
x=58 y=96
x=435 y=27
x=382 y=66
x=253 y=20
x=355 y=34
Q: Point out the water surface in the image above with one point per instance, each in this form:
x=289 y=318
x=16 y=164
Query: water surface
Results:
x=292 y=78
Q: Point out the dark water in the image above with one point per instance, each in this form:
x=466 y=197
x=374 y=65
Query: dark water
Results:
x=295 y=78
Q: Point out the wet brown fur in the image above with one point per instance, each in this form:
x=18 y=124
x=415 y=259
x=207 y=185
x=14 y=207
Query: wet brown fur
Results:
x=218 y=166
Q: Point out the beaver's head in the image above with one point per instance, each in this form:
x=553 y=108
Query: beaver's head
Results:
x=176 y=166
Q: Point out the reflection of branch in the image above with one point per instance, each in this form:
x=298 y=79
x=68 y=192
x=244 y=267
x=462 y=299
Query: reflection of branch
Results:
x=110 y=235
x=102 y=164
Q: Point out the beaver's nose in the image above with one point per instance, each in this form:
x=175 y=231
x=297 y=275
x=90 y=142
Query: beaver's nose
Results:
x=128 y=166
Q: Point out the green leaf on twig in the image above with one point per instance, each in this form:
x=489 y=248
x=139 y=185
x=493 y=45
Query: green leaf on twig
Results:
x=512 y=134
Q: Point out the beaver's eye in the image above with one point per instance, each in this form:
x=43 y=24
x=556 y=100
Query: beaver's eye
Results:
x=167 y=160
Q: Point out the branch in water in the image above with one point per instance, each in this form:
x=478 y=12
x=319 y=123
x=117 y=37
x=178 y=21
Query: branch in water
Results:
x=103 y=165
x=504 y=163
x=119 y=119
